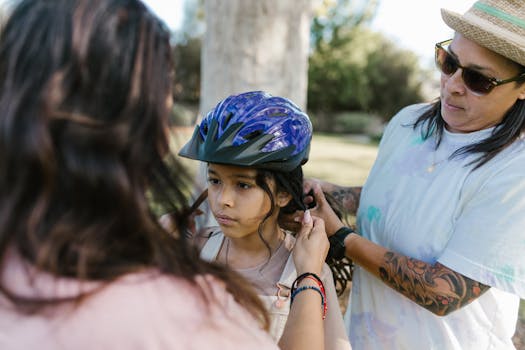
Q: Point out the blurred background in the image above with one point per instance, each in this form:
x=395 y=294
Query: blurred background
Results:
x=352 y=64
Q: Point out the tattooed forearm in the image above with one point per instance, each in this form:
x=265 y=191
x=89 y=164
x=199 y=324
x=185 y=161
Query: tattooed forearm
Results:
x=435 y=287
x=348 y=197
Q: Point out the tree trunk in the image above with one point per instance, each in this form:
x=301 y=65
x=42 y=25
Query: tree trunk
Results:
x=255 y=45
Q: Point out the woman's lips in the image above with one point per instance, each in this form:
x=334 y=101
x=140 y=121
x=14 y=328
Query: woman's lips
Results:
x=452 y=106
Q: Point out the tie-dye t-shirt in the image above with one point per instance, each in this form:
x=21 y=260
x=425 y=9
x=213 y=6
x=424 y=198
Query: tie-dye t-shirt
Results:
x=420 y=203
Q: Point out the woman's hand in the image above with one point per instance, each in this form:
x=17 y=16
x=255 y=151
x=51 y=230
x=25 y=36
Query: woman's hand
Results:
x=308 y=188
x=311 y=245
x=348 y=197
x=323 y=209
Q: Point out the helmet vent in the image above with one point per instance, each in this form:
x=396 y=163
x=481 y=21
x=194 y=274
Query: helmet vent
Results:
x=226 y=120
x=253 y=134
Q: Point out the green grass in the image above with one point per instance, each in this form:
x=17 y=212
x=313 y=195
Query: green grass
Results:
x=340 y=159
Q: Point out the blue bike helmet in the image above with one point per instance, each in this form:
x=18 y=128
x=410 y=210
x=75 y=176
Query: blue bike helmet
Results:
x=252 y=129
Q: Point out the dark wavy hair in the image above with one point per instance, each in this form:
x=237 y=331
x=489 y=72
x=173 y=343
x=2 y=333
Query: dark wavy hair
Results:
x=84 y=86
x=505 y=133
x=292 y=183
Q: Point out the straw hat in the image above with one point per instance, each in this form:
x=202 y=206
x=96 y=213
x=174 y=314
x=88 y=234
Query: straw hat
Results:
x=498 y=25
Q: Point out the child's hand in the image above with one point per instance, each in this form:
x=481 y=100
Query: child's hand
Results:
x=311 y=245
x=168 y=223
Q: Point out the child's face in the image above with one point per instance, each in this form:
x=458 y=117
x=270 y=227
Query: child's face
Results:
x=237 y=202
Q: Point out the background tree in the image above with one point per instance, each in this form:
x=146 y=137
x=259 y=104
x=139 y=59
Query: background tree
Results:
x=352 y=68
x=255 y=45
x=187 y=79
x=361 y=70
x=187 y=49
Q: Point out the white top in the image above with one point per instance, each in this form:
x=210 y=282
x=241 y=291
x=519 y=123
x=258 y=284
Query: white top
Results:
x=278 y=306
x=472 y=221
x=140 y=311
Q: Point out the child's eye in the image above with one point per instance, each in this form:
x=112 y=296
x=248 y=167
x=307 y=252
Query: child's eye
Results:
x=244 y=185
x=213 y=181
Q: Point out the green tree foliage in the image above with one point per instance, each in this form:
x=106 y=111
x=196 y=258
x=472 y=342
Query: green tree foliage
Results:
x=353 y=68
x=187 y=53
x=394 y=79
x=334 y=18
x=187 y=57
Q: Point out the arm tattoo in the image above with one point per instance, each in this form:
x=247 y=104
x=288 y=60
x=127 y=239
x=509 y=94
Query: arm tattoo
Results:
x=348 y=197
x=434 y=287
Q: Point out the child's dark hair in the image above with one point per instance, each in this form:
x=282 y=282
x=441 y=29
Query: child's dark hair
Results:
x=289 y=182
x=292 y=183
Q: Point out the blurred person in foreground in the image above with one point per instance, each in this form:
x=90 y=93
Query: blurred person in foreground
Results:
x=440 y=221
x=85 y=91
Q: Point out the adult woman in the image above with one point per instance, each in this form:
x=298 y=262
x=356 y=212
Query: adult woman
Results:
x=442 y=212
x=84 y=99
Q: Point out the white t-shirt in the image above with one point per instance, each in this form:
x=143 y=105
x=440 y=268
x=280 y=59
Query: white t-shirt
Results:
x=472 y=221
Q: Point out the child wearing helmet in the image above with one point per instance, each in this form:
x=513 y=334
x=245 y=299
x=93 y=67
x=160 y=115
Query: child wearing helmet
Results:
x=254 y=145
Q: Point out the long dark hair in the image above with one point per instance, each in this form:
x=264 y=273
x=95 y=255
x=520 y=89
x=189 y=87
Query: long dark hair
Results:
x=504 y=134
x=84 y=86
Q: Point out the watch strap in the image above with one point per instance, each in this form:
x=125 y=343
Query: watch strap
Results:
x=337 y=243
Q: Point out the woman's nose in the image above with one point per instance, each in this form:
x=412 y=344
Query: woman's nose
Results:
x=454 y=83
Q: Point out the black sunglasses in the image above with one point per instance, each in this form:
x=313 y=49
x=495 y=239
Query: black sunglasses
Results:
x=474 y=81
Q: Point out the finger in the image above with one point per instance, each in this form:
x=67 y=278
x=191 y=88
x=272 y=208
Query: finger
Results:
x=307 y=185
x=307 y=218
x=309 y=199
x=318 y=234
x=307 y=224
x=319 y=196
x=318 y=227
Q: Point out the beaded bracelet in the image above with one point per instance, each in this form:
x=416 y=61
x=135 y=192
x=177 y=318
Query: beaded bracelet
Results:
x=320 y=285
x=304 y=275
x=318 y=290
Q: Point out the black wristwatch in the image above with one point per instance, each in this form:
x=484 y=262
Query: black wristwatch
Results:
x=337 y=243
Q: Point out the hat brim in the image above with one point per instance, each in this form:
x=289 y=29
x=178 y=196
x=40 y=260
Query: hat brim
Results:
x=487 y=34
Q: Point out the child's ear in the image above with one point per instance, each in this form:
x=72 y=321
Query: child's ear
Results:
x=283 y=198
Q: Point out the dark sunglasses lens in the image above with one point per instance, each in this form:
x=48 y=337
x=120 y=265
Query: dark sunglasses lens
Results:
x=445 y=62
x=477 y=82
